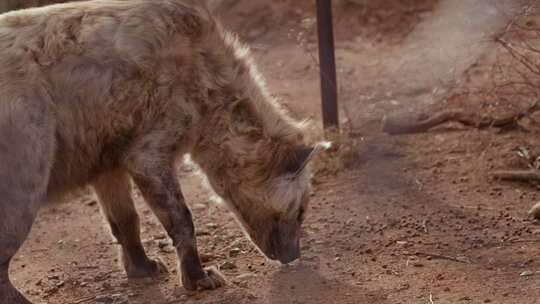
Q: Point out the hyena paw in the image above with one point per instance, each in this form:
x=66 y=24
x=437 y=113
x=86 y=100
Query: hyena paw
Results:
x=212 y=279
x=149 y=269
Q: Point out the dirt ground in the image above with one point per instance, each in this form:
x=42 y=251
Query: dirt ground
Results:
x=411 y=219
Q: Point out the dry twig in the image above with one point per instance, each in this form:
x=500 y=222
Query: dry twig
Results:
x=521 y=175
x=84 y=300
x=406 y=124
x=437 y=256
x=424 y=225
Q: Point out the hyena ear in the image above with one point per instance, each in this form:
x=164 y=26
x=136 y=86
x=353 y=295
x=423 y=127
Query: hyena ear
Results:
x=302 y=155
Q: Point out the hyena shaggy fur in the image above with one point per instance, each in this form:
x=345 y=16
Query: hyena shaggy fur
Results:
x=108 y=91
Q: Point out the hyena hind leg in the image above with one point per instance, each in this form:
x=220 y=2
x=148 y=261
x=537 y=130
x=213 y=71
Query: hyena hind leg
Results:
x=17 y=213
x=15 y=224
x=8 y=293
x=26 y=153
x=114 y=193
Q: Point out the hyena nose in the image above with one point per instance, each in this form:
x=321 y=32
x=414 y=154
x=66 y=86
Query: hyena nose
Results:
x=289 y=255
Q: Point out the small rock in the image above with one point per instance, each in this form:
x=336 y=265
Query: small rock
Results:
x=51 y=290
x=32 y=292
x=235 y=251
x=535 y=211
x=212 y=225
x=168 y=249
x=163 y=243
x=205 y=257
x=198 y=206
x=526 y=273
x=200 y=232
x=227 y=265
x=404 y=287
x=394 y=102
x=160 y=236
x=101 y=276
x=247 y=275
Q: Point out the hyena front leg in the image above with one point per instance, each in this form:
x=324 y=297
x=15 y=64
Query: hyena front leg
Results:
x=114 y=192
x=152 y=167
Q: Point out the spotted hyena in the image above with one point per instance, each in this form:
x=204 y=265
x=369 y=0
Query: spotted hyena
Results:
x=108 y=91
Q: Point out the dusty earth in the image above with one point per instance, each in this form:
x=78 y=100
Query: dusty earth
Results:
x=410 y=219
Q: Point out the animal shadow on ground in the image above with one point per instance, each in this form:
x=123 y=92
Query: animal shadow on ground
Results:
x=302 y=283
x=149 y=288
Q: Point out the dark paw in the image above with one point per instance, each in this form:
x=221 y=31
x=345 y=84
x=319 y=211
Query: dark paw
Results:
x=212 y=279
x=150 y=269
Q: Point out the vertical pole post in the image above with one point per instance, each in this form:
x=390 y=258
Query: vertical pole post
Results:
x=327 y=64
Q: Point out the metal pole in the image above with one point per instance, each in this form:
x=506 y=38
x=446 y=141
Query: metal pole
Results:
x=327 y=64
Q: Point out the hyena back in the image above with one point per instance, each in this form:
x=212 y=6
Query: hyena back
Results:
x=108 y=91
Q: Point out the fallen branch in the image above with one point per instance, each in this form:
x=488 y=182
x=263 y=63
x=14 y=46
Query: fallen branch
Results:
x=418 y=123
x=437 y=256
x=520 y=175
x=524 y=241
x=424 y=225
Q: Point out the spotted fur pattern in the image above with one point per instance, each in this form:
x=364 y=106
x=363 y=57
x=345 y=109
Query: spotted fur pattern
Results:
x=106 y=92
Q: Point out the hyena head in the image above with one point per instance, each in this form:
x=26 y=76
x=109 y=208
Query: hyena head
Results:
x=267 y=188
x=272 y=208
x=254 y=155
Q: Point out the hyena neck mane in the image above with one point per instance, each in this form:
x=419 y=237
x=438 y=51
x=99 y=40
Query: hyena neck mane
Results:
x=247 y=142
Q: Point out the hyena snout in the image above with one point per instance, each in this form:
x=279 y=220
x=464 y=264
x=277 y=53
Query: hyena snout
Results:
x=284 y=248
